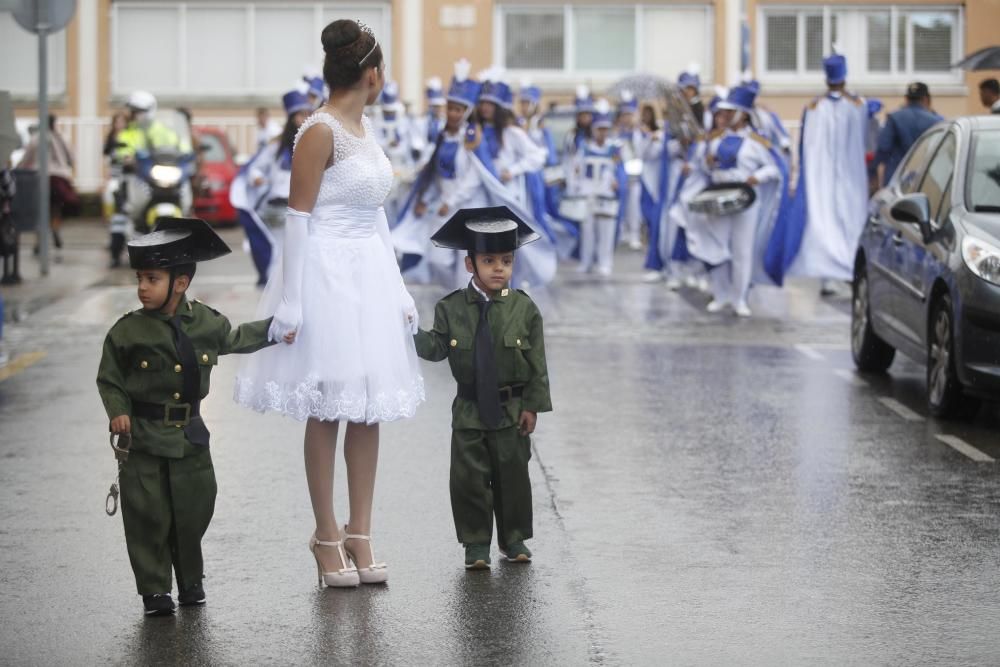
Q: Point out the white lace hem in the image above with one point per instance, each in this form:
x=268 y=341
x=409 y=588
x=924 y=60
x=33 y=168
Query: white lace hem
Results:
x=308 y=400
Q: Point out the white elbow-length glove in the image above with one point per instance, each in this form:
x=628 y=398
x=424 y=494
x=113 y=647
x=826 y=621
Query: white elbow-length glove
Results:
x=288 y=315
x=409 y=307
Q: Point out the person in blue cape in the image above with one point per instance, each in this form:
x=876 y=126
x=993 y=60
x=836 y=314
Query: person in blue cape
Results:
x=828 y=213
x=584 y=103
x=628 y=136
x=662 y=155
x=766 y=122
x=598 y=177
x=460 y=174
x=733 y=243
x=259 y=193
x=426 y=128
x=553 y=175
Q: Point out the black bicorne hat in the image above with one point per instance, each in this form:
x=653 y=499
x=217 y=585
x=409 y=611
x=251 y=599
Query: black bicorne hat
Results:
x=176 y=241
x=486 y=230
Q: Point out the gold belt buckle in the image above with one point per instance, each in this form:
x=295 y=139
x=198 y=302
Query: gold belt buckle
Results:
x=169 y=407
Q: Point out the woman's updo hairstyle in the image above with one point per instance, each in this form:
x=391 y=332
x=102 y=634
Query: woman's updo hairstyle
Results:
x=350 y=49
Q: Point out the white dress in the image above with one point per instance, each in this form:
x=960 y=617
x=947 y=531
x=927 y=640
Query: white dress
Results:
x=353 y=358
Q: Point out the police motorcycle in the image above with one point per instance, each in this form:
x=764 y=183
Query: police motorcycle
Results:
x=159 y=178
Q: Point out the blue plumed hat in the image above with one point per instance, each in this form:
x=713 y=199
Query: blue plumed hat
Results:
x=295 y=101
x=584 y=100
x=740 y=98
x=690 y=78
x=602 y=114
x=627 y=103
x=835 y=66
x=463 y=90
x=435 y=95
x=874 y=106
x=721 y=93
x=390 y=94
x=529 y=92
x=496 y=90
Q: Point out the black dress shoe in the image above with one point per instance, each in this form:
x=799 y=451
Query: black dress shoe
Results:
x=192 y=596
x=160 y=604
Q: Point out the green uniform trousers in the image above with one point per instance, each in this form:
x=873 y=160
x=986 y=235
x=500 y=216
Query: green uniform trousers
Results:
x=489 y=476
x=167 y=505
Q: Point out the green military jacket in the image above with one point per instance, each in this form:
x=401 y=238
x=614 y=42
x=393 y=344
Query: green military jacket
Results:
x=519 y=350
x=140 y=363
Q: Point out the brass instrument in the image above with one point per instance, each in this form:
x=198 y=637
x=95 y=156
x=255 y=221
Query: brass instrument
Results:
x=683 y=125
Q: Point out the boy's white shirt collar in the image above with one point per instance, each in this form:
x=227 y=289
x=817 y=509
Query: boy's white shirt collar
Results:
x=486 y=297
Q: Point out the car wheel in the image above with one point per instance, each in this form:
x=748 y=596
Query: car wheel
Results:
x=871 y=353
x=945 y=397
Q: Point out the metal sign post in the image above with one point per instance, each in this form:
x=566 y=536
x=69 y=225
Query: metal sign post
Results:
x=44 y=17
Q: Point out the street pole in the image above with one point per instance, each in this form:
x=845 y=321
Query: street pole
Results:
x=43 y=137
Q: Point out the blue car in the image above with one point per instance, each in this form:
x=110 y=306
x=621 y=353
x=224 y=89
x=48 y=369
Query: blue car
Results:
x=927 y=270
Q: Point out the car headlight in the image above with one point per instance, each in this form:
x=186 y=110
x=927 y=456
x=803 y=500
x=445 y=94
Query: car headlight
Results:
x=165 y=175
x=982 y=258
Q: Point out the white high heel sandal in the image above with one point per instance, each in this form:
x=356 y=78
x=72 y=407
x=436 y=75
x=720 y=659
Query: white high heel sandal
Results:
x=346 y=577
x=376 y=573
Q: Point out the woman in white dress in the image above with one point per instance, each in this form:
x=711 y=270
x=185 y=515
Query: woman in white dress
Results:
x=339 y=289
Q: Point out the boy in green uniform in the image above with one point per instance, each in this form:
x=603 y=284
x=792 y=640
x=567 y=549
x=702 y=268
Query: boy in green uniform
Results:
x=492 y=338
x=154 y=373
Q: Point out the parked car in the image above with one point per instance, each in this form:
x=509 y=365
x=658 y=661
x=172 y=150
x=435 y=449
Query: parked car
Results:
x=216 y=170
x=927 y=271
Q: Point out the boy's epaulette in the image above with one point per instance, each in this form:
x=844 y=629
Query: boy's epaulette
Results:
x=203 y=305
x=763 y=141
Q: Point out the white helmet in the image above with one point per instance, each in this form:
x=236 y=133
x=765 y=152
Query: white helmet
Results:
x=140 y=100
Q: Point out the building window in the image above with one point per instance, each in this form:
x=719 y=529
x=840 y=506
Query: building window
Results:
x=226 y=49
x=883 y=44
x=567 y=42
x=17 y=45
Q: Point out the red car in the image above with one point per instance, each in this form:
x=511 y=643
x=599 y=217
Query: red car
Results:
x=216 y=171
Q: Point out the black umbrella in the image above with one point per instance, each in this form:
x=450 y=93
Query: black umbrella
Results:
x=643 y=86
x=988 y=58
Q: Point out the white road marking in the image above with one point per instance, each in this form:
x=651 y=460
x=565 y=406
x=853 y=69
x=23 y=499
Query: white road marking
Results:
x=900 y=409
x=962 y=446
x=809 y=352
x=850 y=378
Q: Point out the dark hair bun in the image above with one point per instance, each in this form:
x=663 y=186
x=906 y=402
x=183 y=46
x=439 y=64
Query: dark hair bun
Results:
x=346 y=45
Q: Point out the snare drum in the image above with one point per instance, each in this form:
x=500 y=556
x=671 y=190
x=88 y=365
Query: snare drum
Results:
x=554 y=175
x=573 y=208
x=723 y=199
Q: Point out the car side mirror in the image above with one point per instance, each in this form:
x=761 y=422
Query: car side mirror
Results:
x=915 y=209
x=204 y=148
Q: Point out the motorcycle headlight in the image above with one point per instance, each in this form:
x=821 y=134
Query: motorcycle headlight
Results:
x=982 y=258
x=165 y=175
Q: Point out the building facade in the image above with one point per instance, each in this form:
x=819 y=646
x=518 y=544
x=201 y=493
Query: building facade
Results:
x=223 y=58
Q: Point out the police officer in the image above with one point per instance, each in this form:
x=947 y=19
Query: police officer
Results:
x=903 y=127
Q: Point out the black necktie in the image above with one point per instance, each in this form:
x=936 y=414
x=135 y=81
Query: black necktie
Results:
x=487 y=384
x=196 y=431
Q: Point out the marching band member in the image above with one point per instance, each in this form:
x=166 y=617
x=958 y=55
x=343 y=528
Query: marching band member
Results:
x=599 y=176
x=689 y=81
x=765 y=121
x=629 y=138
x=425 y=129
x=393 y=134
x=830 y=207
x=736 y=156
x=662 y=156
x=584 y=103
x=259 y=193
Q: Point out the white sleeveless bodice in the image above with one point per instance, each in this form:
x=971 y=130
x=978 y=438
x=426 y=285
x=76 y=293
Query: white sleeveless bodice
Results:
x=353 y=189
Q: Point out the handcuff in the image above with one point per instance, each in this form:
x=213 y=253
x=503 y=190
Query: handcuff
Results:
x=121 y=449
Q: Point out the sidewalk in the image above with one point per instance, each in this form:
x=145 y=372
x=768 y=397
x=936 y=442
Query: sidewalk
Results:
x=82 y=262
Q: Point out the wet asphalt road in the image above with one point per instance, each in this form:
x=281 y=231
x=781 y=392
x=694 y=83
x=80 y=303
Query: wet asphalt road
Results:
x=708 y=491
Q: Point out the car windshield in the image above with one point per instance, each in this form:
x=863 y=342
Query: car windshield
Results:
x=212 y=148
x=984 y=172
